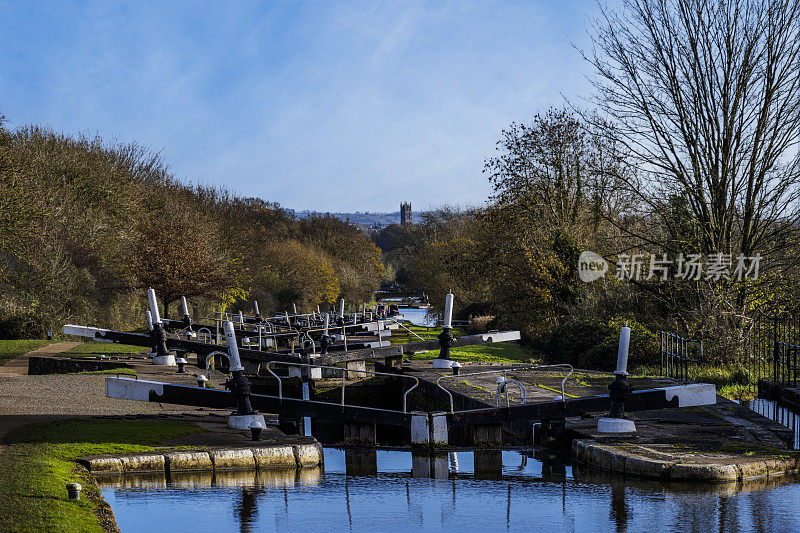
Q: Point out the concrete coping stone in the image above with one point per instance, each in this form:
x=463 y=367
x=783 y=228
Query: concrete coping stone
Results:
x=216 y=459
x=308 y=454
x=615 y=459
x=143 y=463
x=233 y=459
x=188 y=461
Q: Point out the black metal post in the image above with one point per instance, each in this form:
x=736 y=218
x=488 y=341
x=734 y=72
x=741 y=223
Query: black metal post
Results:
x=619 y=391
x=323 y=344
x=240 y=388
x=446 y=340
x=775 y=347
x=159 y=338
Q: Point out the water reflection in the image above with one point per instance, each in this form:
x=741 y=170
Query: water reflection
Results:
x=361 y=461
x=781 y=415
x=464 y=490
x=247 y=507
x=488 y=464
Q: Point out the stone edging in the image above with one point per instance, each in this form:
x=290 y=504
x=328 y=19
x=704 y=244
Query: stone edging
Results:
x=613 y=458
x=256 y=458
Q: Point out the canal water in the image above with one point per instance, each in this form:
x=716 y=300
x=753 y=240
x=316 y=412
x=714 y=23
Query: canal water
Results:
x=418 y=317
x=394 y=491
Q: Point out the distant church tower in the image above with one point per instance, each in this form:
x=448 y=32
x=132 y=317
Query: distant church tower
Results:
x=405 y=213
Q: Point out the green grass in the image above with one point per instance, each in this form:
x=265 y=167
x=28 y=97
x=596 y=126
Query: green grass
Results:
x=110 y=371
x=9 y=349
x=468 y=384
x=498 y=352
x=39 y=462
x=402 y=336
x=95 y=348
x=732 y=382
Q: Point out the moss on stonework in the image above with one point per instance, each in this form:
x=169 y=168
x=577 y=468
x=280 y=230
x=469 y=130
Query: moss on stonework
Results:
x=40 y=461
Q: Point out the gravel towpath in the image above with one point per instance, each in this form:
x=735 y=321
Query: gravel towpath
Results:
x=19 y=365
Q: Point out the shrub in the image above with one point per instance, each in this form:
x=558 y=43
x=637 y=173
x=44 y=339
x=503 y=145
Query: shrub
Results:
x=478 y=324
x=593 y=344
x=26 y=325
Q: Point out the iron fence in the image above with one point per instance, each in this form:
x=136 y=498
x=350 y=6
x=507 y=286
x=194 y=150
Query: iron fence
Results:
x=678 y=355
x=772 y=351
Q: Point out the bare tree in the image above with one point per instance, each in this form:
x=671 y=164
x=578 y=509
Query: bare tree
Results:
x=558 y=169
x=706 y=95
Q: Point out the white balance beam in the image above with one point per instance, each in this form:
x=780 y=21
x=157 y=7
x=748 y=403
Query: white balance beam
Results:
x=85 y=331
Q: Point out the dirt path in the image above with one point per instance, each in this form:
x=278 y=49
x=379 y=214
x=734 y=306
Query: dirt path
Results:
x=19 y=365
x=26 y=399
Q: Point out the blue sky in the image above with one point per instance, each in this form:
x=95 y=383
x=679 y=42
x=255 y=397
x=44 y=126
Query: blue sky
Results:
x=331 y=106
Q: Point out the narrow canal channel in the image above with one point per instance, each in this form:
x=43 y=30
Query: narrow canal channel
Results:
x=532 y=492
x=418 y=317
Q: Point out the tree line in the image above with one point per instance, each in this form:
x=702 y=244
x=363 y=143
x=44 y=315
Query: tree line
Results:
x=86 y=226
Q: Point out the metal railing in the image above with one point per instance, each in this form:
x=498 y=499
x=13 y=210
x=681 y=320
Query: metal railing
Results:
x=786 y=362
x=345 y=372
x=676 y=355
x=504 y=387
x=275 y=327
x=771 y=352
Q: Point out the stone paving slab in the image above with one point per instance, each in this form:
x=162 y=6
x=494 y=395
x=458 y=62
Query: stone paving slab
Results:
x=26 y=399
x=725 y=442
x=540 y=385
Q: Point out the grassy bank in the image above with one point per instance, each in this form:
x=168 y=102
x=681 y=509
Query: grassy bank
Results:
x=499 y=352
x=409 y=333
x=10 y=349
x=91 y=349
x=732 y=382
x=39 y=462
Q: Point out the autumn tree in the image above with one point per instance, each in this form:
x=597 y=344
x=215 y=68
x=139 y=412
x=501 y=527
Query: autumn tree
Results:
x=85 y=225
x=554 y=179
x=179 y=255
x=356 y=259
x=444 y=256
x=298 y=274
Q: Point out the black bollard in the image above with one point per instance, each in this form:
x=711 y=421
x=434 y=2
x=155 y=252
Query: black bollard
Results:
x=619 y=391
x=240 y=388
x=74 y=491
x=323 y=344
x=446 y=340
